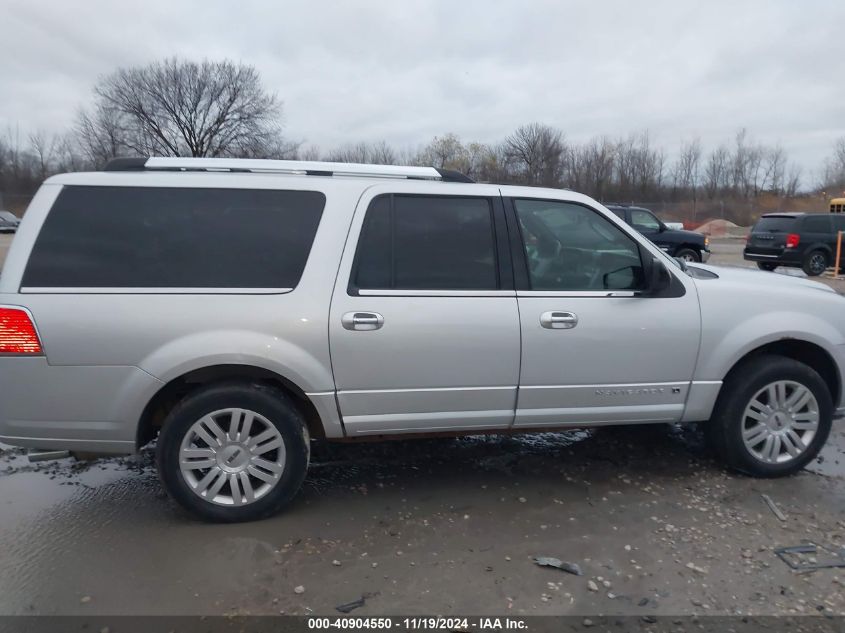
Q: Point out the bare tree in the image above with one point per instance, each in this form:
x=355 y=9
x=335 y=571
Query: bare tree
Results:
x=379 y=153
x=688 y=171
x=535 y=150
x=182 y=108
x=444 y=152
x=833 y=177
x=716 y=171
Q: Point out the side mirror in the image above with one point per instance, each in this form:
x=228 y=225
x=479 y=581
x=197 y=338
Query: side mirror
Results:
x=657 y=276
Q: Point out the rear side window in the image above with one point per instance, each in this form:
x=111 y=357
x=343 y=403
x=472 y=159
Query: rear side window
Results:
x=427 y=243
x=816 y=224
x=776 y=224
x=164 y=237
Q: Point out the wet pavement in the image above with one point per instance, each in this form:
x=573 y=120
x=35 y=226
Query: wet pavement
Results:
x=440 y=526
x=435 y=527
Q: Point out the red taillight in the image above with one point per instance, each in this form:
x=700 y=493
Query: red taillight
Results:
x=792 y=240
x=17 y=333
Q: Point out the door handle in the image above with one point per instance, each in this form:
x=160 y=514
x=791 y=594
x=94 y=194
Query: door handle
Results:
x=558 y=320
x=362 y=320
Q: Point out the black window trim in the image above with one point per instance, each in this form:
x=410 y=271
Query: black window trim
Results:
x=172 y=290
x=520 y=258
x=501 y=252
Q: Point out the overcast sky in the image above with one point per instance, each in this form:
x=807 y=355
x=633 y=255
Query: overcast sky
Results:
x=405 y=71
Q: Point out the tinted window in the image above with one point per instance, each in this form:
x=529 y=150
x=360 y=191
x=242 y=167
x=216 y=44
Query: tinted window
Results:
x=571 y=247
x=619 y=213
x=774 y=224
x=146 y=237
x=644 y=220
x=816 y=224
x=427 y=243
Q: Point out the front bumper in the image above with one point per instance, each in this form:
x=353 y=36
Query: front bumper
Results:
x=705 y=255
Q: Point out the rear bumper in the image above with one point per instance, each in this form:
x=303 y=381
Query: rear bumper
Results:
x=789 y=257
x=76 y=408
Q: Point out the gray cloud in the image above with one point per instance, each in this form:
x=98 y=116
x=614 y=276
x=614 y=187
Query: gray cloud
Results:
x=404 y=71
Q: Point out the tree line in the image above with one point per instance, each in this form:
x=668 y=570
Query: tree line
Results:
x=182 y=108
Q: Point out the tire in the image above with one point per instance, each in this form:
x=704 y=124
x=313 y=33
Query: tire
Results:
x=267 y=453
x=815 y=263
x=731 y=420
x=688 y=255
x=766 y=266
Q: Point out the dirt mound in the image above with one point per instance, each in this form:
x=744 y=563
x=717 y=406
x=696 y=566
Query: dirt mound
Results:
x=722 y=228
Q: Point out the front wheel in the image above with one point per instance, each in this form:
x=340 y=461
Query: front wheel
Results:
x=772 y=418
x=688 y=255
x=233 y=452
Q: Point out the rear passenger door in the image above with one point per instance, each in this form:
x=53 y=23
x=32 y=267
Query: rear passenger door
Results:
x=424 y=326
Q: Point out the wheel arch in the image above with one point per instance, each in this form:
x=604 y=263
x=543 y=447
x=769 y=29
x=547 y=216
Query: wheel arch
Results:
x=177 y=388
x=811 y=354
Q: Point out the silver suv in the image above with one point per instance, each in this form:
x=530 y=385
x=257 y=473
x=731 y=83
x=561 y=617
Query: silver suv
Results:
x=235 y=309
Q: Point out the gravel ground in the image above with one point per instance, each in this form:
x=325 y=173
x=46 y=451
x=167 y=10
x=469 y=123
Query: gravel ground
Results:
x=440 y=526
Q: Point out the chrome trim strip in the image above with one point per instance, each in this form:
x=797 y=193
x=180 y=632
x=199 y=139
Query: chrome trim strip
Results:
x=609 y=386
x=157 y=291
x=754 y=255
x=437 y=293
x=425 y=389
x=576 y=293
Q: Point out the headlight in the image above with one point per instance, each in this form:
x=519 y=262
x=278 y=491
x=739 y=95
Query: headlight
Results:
x=706 y=241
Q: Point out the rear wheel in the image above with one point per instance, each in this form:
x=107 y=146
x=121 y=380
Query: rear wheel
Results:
x=766 y=266
x=688 y=255
x=233 y=452
x=772 y=418
x=815 y=263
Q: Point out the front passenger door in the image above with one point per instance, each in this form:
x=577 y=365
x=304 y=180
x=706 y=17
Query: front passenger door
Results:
x=596 y=349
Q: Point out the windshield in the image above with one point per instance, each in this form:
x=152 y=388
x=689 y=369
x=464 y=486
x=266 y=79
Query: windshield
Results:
x=773 y=224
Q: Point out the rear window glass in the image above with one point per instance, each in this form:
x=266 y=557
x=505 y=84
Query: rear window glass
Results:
x=774 y=225
x=163 y=237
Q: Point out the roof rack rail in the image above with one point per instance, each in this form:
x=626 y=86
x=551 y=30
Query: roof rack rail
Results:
x=301 y=167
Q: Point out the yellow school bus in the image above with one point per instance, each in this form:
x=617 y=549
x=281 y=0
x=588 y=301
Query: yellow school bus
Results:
x=837 y=205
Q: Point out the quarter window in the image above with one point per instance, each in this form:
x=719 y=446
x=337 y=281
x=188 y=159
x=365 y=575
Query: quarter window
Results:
x=816 y=224
x=572 y=247
x=167 y=237
x=427 y=243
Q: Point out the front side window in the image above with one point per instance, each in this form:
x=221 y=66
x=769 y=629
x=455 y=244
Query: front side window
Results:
x=413 y=242
x=168 y=237
x=572 y=247
x=644 y=220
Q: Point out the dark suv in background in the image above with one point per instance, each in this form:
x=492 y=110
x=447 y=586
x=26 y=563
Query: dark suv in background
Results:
x=800 y=240
x=687 y=245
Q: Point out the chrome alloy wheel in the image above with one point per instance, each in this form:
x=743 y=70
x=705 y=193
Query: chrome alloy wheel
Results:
x=780 y=422
x=818 y=263
x=232 y=457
